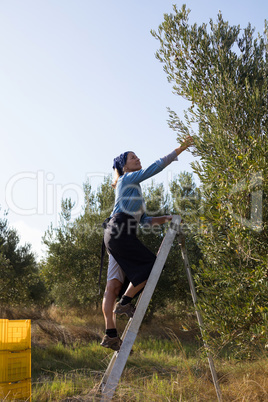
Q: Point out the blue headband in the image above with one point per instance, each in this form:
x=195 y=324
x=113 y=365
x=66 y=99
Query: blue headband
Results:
x=120 y=162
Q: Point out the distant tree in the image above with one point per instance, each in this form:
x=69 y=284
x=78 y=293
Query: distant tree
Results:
x=157 y=204
x=20 y=281
x=74 y=249
x=186 y=202
x=173 y=286
x=222 y=71
x=186 y=197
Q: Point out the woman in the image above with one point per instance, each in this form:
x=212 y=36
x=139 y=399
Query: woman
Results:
x=128 y=257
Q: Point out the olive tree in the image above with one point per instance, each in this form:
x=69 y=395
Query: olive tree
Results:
x=221 y=70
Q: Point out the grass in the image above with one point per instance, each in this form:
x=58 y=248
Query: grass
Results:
x=151 y=374
x=167 y=364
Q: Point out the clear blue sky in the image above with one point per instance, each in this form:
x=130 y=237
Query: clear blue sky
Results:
x=79 y=85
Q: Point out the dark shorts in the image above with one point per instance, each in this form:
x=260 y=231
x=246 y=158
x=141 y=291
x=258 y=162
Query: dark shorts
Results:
x=120 y=238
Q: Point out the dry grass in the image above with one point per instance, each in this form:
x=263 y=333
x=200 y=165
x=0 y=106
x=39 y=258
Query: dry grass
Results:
x=167 y=363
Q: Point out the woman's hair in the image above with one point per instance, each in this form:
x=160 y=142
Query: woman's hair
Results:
x=116 y=177
x=118 y=166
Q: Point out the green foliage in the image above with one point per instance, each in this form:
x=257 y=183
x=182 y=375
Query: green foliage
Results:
x=186 y=197
x=20 y=283
x=222 y=71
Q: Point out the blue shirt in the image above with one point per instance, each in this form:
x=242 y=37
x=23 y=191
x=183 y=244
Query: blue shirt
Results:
x=128 y=194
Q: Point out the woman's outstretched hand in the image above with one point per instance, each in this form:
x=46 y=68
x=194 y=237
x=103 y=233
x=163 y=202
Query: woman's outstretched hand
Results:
x=186 y=144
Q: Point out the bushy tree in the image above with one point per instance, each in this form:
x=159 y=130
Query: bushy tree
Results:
x=222 y=71
x=20 y=282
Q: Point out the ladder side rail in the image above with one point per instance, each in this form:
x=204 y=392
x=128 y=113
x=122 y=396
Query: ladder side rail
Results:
x=142 y=305
x=113 y=359
x=118 y=367
x=199 y=317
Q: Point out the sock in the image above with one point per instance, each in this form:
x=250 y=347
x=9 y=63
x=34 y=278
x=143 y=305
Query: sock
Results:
x=125 y=300
x=112 y=332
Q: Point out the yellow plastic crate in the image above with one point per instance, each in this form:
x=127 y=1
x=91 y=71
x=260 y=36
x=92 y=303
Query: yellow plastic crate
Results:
x=20 y=390
x=15 y=366
x=15 y=334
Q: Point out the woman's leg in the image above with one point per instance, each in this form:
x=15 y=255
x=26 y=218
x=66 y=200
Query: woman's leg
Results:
x=112 y=290
x=124 y=306
x=133 y=290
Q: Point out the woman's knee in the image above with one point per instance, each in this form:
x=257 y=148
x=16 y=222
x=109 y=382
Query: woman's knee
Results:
x=113 y=286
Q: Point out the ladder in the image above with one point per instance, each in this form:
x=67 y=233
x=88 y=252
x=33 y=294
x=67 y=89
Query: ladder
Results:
x=116 y=366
